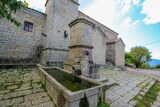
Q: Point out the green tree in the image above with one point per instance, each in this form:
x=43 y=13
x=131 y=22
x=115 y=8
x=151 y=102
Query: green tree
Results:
x=128 y=57
x=158 y=66
x=139 y=55
x=9 y=6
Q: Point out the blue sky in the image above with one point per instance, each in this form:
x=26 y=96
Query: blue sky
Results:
x=136 y=21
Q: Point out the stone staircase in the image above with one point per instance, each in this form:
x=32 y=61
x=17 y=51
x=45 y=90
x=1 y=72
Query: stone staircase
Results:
x=106 y=81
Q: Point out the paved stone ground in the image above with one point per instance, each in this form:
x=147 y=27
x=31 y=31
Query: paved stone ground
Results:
x=22 y=88
x=157 y=102
x=152 y=73
x=129 y=85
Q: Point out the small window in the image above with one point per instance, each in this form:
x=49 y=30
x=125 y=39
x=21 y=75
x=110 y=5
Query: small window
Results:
x=28 y=26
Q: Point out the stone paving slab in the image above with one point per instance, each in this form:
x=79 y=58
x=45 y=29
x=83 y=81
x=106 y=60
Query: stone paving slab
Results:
x=22 y=88
x=129 y=85
x=157 y=102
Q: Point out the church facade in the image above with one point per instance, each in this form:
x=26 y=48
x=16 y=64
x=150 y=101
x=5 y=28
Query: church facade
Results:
x=47 y=36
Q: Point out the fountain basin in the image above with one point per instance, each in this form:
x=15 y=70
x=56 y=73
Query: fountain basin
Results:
x=67 y=90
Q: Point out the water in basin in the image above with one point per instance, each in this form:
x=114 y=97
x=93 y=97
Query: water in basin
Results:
x=68 y=81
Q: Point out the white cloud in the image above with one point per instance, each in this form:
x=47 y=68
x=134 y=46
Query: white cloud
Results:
x=155 y=53
x=37 y=4
x=128 y=23
x=126 y=5
x=151 y=9
x=136 y=2
x=102 y=10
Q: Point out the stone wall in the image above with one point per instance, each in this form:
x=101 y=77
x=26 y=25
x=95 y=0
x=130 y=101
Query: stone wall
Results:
x=15 y=43
x=99 y=50
x=115 y=52
x=110 y=53
x=120 y=53
x=100 y=34
x=59 y=14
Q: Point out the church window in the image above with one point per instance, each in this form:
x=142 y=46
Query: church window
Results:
x=28 y=26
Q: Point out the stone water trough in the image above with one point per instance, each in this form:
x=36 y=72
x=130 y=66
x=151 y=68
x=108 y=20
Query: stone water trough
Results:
x=68 y=90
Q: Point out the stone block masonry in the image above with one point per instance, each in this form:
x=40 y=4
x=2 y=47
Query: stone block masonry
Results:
x=59 y=14
x=51 y=31
x=15 y=43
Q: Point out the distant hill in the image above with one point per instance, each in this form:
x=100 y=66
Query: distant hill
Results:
x=154 y=62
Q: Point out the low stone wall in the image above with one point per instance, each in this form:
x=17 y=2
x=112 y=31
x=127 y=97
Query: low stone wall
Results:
x=63 y=97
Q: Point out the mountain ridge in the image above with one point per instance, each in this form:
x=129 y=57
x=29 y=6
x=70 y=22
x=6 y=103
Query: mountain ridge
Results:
x=154 y=62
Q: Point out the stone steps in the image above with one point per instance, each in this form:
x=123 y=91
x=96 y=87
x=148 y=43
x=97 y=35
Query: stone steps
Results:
x=110 y=83
x=102 y=79
x=106 y=81
x=145 y=86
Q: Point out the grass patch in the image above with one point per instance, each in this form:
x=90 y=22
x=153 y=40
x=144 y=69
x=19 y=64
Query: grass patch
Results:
x=147 y=84
x=153 y=92
x=150 y=96
x=137 y=97
x=43 y=87
x=3 y=87
x=18 y=86
x=31 y=87
x=39 y=82
x=103 y=105
x=143 y=103
x=51 y=99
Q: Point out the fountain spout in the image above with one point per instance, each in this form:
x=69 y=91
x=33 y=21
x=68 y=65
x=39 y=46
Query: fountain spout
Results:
x=76 y=70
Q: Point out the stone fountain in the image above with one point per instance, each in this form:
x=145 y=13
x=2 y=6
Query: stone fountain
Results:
x=80 y=50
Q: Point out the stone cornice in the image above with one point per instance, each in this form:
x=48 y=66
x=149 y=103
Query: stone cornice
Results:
x=75 y=2
x=55 y=49
x=102 y=33
x=81 y=20
x=108 y=43
x=81 y=46
x=71 y=0
x=46 y=2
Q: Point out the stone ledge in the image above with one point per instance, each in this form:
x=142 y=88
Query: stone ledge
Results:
x=81 y=20
x=55 y=49
x=81 y=46
x=71 y=0
x=19 y=64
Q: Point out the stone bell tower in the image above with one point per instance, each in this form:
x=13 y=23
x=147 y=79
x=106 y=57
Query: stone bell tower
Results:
x=59 y=14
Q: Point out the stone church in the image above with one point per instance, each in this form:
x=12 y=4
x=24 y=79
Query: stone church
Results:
x=47 y=36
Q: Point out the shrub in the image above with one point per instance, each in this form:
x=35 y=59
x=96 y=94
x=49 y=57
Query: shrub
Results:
x=130 y=65
x=158 y=66
x=145 y=66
